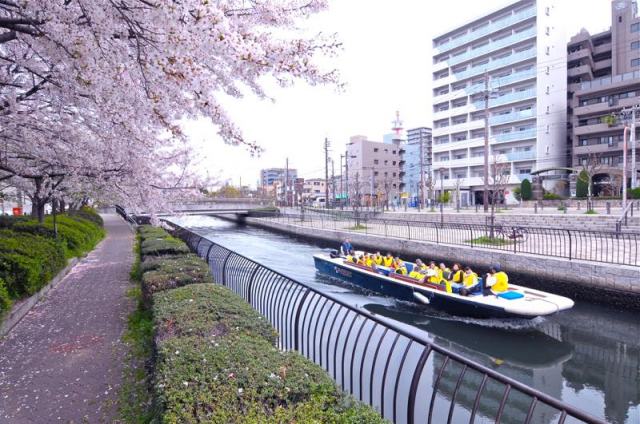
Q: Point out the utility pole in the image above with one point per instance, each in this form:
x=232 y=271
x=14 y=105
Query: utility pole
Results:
x=333 y=184
x=346 y=173
x=634 y=175
x=341 y=185
x=485 y=194
x=286 y=181
x=421 y=202
x=326 y=172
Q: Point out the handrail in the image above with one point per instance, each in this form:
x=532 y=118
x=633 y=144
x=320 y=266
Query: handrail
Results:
x=193 y=239
x=613 y=247
x=624 y=216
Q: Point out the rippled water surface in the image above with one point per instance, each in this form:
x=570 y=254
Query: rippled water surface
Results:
x=588 y=356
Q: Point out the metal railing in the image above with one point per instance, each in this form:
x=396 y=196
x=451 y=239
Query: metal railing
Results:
x=121 y=211
x=598 y=246
x=395 y=369
x=624 y=218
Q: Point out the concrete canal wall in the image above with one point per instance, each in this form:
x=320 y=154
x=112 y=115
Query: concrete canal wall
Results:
x=571 y=222
x=615 y=285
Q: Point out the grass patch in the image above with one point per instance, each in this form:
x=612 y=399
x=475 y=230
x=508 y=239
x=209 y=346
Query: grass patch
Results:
x=358 y=227
x=495 y=241
x=591 y=212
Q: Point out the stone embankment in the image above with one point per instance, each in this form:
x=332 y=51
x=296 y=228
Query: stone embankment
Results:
x=612 y=284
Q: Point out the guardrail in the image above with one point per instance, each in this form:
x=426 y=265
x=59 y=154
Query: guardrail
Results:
x=121 y=211
x=623 y=220
x=397 y=370
x=598 y=246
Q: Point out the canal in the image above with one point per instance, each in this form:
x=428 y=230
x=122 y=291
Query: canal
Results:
x=588 y=356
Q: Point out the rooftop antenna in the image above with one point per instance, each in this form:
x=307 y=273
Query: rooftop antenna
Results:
x=397 y=125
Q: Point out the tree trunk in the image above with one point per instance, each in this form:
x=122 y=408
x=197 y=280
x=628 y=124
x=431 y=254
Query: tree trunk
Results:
x=37 y=202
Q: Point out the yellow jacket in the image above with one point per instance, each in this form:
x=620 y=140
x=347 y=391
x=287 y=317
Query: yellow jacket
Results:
x=368 y=261
x=457 y=276
x=388 y=261
x=470 y=280
x=502 y=282
x=437 y=277
x=378 y=260
x=416 y=274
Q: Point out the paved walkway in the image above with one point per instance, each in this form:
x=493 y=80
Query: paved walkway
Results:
x=63 y=361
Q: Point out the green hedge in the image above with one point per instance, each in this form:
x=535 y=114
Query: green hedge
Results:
x=216 y=358
x=157 y=242
x=30 y=255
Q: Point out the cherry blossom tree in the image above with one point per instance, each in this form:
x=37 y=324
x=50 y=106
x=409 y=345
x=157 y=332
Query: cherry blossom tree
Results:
x=92 y=91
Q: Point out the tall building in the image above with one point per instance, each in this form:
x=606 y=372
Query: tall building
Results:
x=603 y=72
x=418 y=139
x=271 y=175
x=520 y=49
x=374 y=172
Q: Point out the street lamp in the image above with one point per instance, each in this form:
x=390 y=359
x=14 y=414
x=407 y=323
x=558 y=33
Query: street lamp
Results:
x=442 y=171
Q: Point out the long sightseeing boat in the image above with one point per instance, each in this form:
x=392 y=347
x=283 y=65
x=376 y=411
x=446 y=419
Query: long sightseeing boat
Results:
x=517 y=302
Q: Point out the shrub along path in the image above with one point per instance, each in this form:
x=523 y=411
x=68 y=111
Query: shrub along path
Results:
x=63 y=361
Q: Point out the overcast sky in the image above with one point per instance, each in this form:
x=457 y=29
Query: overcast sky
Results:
x=386 y=65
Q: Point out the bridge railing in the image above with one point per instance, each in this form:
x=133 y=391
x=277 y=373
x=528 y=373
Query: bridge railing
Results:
x=396 y=369
x=598 y=246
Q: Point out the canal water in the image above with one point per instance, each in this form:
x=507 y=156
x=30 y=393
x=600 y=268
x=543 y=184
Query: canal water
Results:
x=588 y=356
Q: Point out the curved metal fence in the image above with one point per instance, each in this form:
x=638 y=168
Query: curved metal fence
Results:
x=599 y=246
x=394 y=368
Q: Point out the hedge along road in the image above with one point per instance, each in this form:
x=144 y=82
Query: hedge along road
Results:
x=588 y=356
x=63 y=361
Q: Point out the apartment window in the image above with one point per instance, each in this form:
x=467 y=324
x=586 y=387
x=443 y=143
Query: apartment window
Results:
x=375 y=150
x=635 y=45
x=547 y=50
x=635 y=27
x=394 y=174
x=375 y=161
x=547 y=30
x=375 y=173
x=394 y=185
x=393 y=163
x=393 y=152
x=635 y=62
x=386 y=162
x=546 y=11
x=524 y=171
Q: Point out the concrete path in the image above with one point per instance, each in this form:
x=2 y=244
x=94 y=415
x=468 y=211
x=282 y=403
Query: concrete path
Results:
x=63 y=361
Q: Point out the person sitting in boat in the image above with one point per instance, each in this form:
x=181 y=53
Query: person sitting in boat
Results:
x=420 y=266
x=446 y=272
x=388 y=260
x=457 y=274
x=399 y=266
x=418 y=271
x=368 y=260
x=434 y=273
x=496 y=282
x=377 y=258
x=361 y=260
x=346 y=247
x=350 y=257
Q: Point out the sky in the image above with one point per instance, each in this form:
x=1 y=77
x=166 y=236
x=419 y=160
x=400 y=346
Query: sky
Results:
x=385 y=63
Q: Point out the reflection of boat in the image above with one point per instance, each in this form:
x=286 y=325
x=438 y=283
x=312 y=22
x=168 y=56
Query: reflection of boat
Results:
x=507 y=345
x=518 y=302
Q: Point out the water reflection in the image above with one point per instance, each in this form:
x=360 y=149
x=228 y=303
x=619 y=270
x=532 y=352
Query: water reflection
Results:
x=588 y=356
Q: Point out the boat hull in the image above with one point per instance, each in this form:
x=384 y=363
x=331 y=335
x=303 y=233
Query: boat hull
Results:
x=455 y=305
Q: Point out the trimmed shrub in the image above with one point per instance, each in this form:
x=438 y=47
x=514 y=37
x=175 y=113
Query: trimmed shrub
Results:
x=634 y=193
x=163 y=246
x=164 y=273
x=88 y=214
x=28 y=262
x=241 y=378
x=206 y=310
x=525 y=190
x=551 y=196
x=5 y=299
x=217 y=363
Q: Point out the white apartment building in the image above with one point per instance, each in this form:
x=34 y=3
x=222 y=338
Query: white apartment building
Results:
x=521 y=49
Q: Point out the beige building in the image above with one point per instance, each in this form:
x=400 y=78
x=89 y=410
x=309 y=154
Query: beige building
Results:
x=313 y=188
x=374 y=171
x=603 y=73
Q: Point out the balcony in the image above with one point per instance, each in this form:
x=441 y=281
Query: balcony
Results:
x=597 y=148
x=512 y=117
x=463 y=144
x=516 y=77
x=594 y=128
x=512 y=97
x=493 y=46
x=496 y=64
x=514 y=135
x=492 y=27
x=455 y=163
x=520 y=156
x=582 y=70
x=605 y=82
x=580 y=54
x=603 y=107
